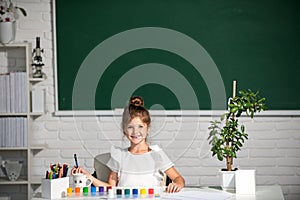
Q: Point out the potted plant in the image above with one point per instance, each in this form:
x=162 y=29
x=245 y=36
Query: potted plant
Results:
x=9 y=13
x=227 y=136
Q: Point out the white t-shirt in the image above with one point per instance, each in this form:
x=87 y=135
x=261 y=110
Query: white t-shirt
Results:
x=143 y=170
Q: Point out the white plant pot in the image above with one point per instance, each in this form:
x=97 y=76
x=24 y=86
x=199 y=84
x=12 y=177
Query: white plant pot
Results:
x=245 y=182
x=7 y=32
x=227 y=179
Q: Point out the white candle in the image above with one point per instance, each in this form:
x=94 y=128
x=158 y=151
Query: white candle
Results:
x=233 y=88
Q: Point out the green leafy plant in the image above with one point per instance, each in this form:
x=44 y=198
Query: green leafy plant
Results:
x=228 y=139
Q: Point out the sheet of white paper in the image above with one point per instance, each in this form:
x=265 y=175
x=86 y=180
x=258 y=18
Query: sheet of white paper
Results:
x=198 y=195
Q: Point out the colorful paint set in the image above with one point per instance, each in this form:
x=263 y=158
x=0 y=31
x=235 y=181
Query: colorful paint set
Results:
x=116 y=192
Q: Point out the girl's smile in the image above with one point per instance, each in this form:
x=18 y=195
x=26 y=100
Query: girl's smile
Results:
x=136 y=136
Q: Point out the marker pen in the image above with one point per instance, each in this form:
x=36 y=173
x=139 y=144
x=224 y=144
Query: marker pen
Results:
x=75 y=158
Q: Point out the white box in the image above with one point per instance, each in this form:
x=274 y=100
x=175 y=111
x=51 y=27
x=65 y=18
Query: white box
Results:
x=38 y=100
x=55 y=188
x=245 y=182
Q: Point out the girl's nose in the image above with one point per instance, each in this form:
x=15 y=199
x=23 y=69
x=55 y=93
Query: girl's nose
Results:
x=135 y=130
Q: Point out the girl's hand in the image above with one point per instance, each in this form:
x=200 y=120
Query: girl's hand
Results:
x=173 y=187
x=76 y=170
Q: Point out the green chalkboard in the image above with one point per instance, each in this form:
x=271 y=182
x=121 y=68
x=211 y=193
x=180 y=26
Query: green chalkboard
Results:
x=176 y=54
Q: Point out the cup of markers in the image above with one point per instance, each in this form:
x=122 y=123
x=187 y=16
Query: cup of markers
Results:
x=57 y=171
x=56 y=181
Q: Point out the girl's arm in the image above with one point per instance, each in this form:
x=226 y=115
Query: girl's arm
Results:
x=97 y=182
x=113 y=178
x=177 y=180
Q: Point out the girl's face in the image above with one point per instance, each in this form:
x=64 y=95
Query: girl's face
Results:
x=136 y=131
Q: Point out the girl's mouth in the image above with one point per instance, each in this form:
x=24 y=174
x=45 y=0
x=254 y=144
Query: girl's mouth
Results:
x=136 y=136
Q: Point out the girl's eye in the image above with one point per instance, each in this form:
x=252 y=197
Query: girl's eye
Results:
x=129 y=127
x=140 y=126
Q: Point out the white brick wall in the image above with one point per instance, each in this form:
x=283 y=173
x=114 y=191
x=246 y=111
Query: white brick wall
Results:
x=273 y=148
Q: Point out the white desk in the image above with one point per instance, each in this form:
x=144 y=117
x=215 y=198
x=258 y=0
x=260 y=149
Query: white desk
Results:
x=262 y=193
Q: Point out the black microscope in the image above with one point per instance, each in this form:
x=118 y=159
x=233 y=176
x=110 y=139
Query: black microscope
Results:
x=37 y=61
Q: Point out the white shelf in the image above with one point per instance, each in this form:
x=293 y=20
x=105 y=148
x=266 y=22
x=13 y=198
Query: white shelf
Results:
x=15 y=45
x=13 y=148
x=31 y=151
x=36 y=114
x=13 y=114
x=36 y=147
x=20 y=181
x=36 y=79
x=22 y=148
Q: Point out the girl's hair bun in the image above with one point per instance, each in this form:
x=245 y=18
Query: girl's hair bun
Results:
x=136 y=101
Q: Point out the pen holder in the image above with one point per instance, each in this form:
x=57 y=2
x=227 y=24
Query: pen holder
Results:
x=55 y=188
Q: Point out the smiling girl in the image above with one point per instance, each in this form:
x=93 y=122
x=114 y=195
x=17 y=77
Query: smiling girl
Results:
x=140 y=164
